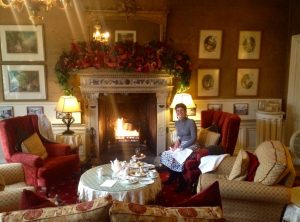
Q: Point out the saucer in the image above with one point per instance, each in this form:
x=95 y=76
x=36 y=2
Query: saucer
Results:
x=146 y=181
x=129 y=181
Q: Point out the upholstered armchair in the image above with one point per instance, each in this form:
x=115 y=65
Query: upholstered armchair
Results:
x=229 y=125
x=12 y=183
x=38 y=172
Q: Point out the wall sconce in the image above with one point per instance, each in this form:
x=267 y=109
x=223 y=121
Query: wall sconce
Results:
x=100 y=36
x=68 y=105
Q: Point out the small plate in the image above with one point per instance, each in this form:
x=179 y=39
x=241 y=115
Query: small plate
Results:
x=137 y=175
x=146 y=181
x=150 y=166
x=129 y=181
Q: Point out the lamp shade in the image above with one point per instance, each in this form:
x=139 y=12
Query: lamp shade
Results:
x=184 y=98
x=68 y=104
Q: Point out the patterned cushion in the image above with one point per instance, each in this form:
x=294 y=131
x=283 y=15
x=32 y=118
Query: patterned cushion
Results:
x=121 y=211
x=34 y=145
x=2 y=183
x=96 y=210
x=31 y=200
x=273 y=162
x=208 y=138
x=240 y=166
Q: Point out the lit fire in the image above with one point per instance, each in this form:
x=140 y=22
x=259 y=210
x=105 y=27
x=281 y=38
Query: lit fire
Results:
x=124 y=132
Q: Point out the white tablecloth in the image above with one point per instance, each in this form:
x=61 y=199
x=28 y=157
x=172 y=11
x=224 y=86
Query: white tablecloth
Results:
x=89 y=188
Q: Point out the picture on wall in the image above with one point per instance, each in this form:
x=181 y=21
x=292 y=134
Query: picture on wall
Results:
x=22 y=43
x=241 y=108
x=210 y=44
x=249 y=45
x=215 y=107
x=125 y=35
x=6 y=112
x=208 y=82
x=24 y=82
x=35 y=110
x=247 y=82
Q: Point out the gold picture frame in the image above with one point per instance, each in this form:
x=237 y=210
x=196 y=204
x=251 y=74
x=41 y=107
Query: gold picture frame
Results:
x=210 y=44
x=249 y=45
x=125 y=35
x=247 y=82
x=208 y=82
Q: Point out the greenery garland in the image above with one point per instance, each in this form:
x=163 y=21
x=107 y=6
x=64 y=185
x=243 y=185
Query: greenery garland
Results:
x=126 y=56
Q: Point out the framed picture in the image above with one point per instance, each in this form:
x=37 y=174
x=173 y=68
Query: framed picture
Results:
x=125 y=35
x=249 y=45
x=24 y=82
x=22 y=43
x=247 y=82
x=241 y=108
x=35 y=110
x=6 y=112
x=208 y=82
x=215 y=107
x=210 y=44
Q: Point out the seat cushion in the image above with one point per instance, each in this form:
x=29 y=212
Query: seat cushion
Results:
x=273 y=162
x=34 y=145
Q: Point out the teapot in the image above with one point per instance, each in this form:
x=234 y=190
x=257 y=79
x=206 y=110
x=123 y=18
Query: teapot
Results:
x=115 y=165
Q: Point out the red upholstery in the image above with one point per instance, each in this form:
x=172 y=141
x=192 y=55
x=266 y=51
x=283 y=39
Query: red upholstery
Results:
x=38 y=172
x=229 y=125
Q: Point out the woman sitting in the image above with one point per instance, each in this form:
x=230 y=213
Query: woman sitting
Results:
x=175 y=157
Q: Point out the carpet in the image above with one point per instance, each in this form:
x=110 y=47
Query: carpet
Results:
x=66 y=191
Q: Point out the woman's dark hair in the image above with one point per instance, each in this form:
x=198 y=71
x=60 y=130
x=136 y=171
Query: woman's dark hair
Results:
x=180 y=105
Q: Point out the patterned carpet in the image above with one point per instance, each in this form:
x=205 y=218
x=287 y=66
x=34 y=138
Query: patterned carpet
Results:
x=67 y=192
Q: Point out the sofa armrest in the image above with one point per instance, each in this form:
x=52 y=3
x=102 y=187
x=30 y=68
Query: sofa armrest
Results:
x=245 y=190
x=12 y=173
x=27 y=159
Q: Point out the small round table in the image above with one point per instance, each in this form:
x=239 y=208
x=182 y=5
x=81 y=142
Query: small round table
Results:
x=89 y=188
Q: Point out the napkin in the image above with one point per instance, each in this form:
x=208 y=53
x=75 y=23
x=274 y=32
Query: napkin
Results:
x=108 y=183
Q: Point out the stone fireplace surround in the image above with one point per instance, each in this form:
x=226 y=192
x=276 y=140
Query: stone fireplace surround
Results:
x=94 y=82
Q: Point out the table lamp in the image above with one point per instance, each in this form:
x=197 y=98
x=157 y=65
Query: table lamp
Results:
x=67 y=105
x=184 y=98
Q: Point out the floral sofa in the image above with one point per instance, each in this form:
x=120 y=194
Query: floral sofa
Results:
x=105 y=209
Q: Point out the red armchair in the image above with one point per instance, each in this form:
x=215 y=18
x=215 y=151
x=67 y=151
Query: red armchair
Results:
x=38 y=172
x=229 y=125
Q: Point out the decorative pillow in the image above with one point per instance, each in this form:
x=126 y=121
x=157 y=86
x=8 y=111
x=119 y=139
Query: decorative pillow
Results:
x=31 y=200
x=123 y=211
x=34 y=145
x=2 y=183
x=253 y=164
x=209 y=197
x=240 y=166
x=273 y=162
x=208 y=138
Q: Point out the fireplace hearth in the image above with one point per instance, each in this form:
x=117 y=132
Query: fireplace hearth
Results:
x=139 y=98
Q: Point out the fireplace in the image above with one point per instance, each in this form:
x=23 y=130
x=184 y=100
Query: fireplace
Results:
x=139 y=98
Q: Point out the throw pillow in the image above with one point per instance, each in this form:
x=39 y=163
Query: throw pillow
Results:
x=273 y=162
x=31 y=200
x=210 y=196
x=208 y=138
x=34 y=145
x=253 y=164
x=2 y=183
x=123 y=211
x=240 y=166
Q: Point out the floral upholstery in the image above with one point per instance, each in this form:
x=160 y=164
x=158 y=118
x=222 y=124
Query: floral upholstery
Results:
x=38 y=172
x=229 y=128
x=13 y=176
x=244 y=200
x=122 y=211
x=96 y=210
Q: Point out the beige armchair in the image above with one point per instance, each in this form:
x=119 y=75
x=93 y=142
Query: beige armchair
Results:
x=243 y=200
x=14 y=183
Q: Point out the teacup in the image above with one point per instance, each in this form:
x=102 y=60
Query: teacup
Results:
x=153 y=173
x=99 y=172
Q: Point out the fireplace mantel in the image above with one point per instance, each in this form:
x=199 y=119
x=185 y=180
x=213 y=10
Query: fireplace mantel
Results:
x=94 y=82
